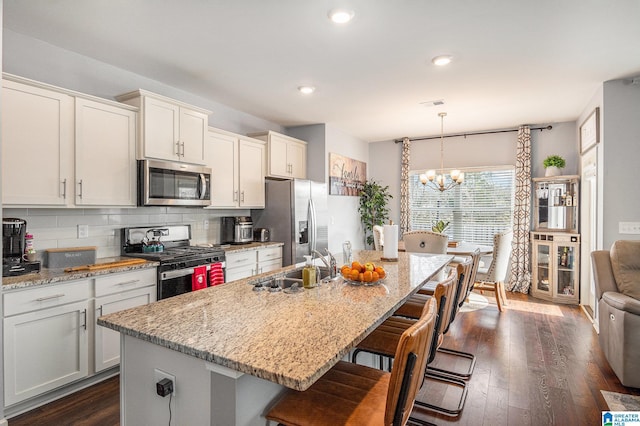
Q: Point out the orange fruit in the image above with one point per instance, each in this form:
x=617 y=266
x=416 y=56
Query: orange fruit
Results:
x=367 y=276
x=361 y=277
x=375 y=276
x=380 y=271
x=346 y=271
x=356 y=265
x=355 y=274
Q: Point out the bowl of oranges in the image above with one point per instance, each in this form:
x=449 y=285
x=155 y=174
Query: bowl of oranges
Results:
x=363 y=273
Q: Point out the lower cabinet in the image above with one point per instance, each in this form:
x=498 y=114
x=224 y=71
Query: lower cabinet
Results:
x=48 y=330
x=245 y=263
x=556 y=267
x=46 y=347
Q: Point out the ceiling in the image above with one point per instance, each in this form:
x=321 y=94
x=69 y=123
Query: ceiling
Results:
x=514 y=61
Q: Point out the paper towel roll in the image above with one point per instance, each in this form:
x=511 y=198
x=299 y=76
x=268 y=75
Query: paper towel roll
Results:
x=390 y=249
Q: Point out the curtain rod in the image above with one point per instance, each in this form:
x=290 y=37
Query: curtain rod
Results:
x=472 y=134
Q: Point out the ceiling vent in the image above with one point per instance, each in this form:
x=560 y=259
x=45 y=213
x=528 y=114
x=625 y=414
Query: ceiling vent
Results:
x=430 y=104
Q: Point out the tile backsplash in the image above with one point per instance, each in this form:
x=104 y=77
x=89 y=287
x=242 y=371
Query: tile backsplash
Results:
x=58 y=228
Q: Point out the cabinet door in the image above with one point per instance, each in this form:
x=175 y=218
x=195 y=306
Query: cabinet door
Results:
x=161 y=134
x=297 y=159
x=43 y=350
x=37 y=146
x=193 y=128
x=251 y=174
x=278 y=163
x=542 y=269
x=105 y=155
x=107 y=341
x=566 y=255
x=221 y=155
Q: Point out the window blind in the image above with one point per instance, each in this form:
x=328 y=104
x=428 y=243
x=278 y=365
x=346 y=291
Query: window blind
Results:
x=476 y=210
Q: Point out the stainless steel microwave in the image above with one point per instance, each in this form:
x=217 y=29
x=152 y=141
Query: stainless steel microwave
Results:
x=166 y=183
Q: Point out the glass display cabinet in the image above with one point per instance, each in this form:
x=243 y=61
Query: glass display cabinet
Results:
x=555 y=240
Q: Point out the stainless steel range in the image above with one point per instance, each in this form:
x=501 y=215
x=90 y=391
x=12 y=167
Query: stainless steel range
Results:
x=183 y=267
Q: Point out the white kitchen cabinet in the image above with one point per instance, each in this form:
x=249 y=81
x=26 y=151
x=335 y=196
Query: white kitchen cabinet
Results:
x=556 y=266
x=62 y=148
x=286 y=156
x=37 y=145
x=115 y=293
x=269 y=259
x=237 y=170
x=105 y=147
x=45 y=339
x=169 y=130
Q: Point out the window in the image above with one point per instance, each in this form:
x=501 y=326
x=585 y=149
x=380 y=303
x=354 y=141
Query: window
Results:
x=476 y=210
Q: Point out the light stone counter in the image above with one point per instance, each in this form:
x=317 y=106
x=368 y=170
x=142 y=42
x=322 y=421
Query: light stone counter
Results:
x=289 y=339
x=50 y=276
x=250 y=246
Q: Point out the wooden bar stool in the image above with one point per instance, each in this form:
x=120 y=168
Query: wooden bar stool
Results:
x=351 y=394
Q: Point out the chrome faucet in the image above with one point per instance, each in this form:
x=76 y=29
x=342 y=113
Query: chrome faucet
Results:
x=317 y=254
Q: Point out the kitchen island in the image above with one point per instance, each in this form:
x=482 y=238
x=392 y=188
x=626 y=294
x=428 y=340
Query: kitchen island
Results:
x=230 y=350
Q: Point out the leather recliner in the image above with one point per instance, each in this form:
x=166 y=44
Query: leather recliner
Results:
x=617 y=280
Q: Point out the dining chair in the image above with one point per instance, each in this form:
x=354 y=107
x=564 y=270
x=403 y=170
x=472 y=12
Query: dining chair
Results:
x=424 y=241
x=352 y=394
x=384 y=338
x=378 y=237
x=492 y=278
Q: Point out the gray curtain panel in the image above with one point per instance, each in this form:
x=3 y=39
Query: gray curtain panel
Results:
x=520 y=278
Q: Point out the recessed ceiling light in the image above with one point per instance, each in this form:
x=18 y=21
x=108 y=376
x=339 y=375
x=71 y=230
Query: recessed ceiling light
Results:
x=306 y=90
x=341 y=16
x=442 y=60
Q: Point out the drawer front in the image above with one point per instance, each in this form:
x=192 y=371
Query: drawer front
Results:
x=239 y=273
x=270 y=253
x=269 y=265
x=115 y=283
x=33 y=299
x=241 y=259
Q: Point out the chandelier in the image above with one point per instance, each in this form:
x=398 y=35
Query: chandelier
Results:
x=440 y=181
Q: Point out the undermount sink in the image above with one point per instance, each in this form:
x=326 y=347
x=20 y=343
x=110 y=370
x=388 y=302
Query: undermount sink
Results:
x=297 y=274
x=288 y=280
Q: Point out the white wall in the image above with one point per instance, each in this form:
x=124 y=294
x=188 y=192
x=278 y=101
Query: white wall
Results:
x=2 y=420
x=471 y=151
x=621 y=130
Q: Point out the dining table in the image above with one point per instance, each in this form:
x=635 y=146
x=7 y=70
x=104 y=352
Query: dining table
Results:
x=460 y=248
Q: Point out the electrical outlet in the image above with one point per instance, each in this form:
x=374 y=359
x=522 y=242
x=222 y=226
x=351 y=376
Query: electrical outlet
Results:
x=159 y=375
x=205 y=224
x=629 y=227
x=83 y=231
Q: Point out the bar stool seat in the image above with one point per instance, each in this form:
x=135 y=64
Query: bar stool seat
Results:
x=351 y=394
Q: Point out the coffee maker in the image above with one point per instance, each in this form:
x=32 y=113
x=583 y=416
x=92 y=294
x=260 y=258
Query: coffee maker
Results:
x=14 y=263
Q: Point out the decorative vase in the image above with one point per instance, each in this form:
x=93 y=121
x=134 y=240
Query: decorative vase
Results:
x=552 y=171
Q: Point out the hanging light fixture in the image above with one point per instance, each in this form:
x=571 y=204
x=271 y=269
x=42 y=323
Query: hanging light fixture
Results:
x=440 y=181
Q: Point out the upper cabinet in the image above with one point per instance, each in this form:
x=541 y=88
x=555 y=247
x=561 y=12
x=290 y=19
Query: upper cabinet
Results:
x=286 y=156
x=556 y=204
x=169 y=129
x=237 y=170
x=63 y=148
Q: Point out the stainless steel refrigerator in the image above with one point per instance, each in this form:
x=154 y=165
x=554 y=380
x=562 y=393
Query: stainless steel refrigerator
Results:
x=296 y=213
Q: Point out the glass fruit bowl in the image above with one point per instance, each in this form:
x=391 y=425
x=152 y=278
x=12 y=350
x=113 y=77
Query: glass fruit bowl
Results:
x=363 y=283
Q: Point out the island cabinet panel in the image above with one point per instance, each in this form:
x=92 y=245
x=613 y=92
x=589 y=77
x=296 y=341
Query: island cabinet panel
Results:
x=237 y=170
x=65 y=149
x=169 y=129
x=46 y=348
x=286 y=156
x=37 y=145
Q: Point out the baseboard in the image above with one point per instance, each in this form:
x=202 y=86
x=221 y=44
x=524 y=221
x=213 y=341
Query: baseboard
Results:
x=3 y=422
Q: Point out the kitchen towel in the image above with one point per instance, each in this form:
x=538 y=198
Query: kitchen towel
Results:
x=199 y=278
x=216 y=274
x=390 y=248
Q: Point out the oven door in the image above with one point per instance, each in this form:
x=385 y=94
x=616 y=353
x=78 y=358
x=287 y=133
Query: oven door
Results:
x=174 y=282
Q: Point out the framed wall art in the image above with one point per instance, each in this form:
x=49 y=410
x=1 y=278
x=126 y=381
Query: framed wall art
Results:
x=590 y=131
x=346 y=175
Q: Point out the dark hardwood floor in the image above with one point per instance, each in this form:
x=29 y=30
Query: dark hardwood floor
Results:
x=537 y=364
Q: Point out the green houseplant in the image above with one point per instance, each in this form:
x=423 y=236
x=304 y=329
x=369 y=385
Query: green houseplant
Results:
x=440 y=226
x=553 y=164
x=373 y=209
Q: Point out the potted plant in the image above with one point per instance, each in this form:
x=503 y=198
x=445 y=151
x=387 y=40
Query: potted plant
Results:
x=553 y=164
x=373 y=209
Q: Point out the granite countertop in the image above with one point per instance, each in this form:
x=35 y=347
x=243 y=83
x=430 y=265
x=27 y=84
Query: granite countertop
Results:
x=49 y=276
x=290 y=339
x=251 y=246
